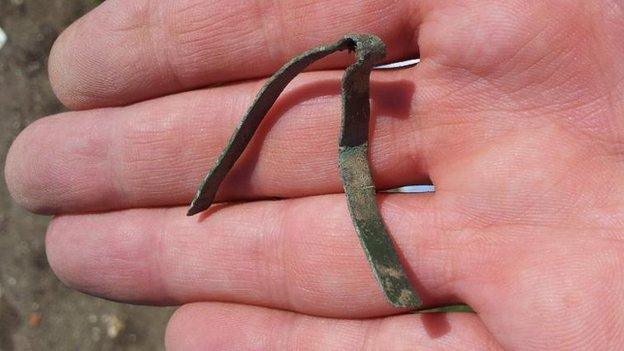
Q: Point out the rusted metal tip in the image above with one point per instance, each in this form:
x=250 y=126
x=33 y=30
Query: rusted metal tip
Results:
x=199 y=204
x=193 y=211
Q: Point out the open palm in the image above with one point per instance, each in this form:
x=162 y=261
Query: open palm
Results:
x=516 y=114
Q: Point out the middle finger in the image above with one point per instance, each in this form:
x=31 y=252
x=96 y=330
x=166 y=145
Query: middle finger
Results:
x=155 y=153
x=296 y=254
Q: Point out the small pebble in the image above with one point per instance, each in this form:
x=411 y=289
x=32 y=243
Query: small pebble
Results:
x=34 y=319
x=114 y=325
x=3 y=38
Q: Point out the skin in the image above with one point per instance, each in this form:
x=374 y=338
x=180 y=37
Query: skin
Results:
x=516 y=114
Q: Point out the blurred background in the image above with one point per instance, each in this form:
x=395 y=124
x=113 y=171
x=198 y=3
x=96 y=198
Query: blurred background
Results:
x=37 y=312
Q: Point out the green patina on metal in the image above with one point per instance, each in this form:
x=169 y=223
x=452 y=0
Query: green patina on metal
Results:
x=353 y=160
x=448 y=309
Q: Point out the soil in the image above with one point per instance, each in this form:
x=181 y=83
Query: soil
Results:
x=37 y=312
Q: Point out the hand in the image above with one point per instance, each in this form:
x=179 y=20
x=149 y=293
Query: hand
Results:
x=516 y=114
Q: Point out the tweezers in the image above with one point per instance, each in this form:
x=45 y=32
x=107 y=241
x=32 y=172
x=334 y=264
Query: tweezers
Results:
x=353 y=157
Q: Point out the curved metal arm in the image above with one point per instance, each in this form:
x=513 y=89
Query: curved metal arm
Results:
x=353 y=158
x=266 y=97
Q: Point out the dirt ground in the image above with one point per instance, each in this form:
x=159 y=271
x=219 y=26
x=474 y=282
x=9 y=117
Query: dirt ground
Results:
x=36 y=311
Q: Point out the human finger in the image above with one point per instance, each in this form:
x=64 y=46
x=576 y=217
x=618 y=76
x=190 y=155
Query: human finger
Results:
x=155 y=153
x=128 y=51
x=298 y=254
x=202 y=326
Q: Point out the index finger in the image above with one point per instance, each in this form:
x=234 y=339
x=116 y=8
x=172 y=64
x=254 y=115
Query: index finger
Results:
x=126 y=51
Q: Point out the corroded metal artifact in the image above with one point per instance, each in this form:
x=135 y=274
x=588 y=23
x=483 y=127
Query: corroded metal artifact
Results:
x=353 y=160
